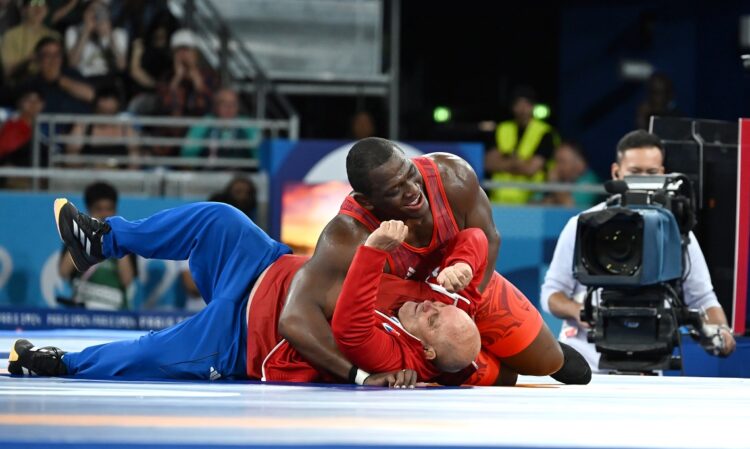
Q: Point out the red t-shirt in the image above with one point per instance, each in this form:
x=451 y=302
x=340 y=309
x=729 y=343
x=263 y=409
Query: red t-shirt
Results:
x=14 y=134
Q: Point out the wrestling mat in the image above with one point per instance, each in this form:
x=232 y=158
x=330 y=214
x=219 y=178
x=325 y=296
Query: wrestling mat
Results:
x=611 y=412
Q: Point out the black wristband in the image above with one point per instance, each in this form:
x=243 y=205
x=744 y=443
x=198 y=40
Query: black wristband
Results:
x=353 y=374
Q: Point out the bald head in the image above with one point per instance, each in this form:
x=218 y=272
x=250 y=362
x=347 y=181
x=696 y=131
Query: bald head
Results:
x=450 y=337
x=458 y=342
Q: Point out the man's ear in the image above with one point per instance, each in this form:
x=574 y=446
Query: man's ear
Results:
x=429 y=353
x=363 y=200
x=615 y=170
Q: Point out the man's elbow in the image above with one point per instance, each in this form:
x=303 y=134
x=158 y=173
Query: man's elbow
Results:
x=288 y=325
x=493 y=238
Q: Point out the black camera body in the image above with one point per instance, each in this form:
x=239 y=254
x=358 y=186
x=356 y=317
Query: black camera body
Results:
x=631 y=253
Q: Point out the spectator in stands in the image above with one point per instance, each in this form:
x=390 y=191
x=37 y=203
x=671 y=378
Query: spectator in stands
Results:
x=362 y=125
x=19 y=42
x=570 y=166
x=226 y=105
x=187 y=88
x=523 y=147
x=240 y=193
x=659 y=101
x=150 y=61
x=63 y=89
x=107 y=104
x=96 y=49
x=108 y=285
x=16 y=133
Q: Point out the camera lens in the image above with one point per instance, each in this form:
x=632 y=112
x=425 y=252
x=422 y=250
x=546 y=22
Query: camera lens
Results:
x=612 y=246
x=618 y=247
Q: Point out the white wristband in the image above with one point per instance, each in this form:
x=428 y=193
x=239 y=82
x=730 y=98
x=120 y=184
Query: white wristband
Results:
x=361 y=377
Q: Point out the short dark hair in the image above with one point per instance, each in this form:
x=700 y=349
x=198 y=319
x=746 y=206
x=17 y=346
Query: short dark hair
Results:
x=44 y=42
x=27 y=90
x=108 y=91
x=638 y=139
x=522 y=91
x=99 y=191
x=366 y=155
x=575 y=146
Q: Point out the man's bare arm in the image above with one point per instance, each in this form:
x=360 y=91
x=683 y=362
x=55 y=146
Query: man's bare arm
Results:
x=470 y=204
x=312 y=296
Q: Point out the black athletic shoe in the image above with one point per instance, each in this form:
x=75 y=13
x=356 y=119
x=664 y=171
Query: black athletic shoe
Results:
x=25 y=359
x=575 y=369
x=81 y=234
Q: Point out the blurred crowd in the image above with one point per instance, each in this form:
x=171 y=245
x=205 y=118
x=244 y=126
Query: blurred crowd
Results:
x=110 y=57
x=526 y=149
x=115 y=57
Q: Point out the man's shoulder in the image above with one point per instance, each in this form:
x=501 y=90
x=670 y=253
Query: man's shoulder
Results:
x=452 y=168
x=459 y=180
x=450 y=160
x=344 y=228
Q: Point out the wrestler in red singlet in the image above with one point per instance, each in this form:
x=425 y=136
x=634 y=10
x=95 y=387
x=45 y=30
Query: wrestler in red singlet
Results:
x=269 y=357
x=506 y=319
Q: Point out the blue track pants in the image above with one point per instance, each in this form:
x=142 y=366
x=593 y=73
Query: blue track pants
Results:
x=227 y=253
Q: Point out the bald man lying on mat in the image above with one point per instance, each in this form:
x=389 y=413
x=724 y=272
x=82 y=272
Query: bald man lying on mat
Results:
x=244 y=275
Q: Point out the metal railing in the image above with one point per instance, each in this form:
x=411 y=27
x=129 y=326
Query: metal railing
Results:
x=47 y=134
x=545 y=187
x=154 y=183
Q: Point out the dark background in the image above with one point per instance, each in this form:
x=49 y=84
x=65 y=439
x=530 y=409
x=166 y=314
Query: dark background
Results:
x=469 y=55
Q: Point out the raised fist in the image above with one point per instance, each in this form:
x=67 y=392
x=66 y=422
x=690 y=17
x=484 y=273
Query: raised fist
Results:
x=388 y=236
x=455 y=277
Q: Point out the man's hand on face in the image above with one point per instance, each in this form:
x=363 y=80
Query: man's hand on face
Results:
x=388 y=236
x=404 y=378
x=455 y=277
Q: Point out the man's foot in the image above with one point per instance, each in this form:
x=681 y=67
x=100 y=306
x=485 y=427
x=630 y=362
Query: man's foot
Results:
x=27 y=360
x=81 y=234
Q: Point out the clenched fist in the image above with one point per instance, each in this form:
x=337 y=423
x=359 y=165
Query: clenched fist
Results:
x=455 y=277
x=388 y=236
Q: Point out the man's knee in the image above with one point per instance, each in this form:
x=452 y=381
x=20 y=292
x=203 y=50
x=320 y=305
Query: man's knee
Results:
x=225 y=211
x=507 y=377
x=541 y=358
x=550 y=361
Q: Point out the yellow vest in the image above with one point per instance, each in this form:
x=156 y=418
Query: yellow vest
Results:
x=506 y=136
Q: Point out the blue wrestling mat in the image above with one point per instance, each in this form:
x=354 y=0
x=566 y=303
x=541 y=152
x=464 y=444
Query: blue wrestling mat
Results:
x=611 y=412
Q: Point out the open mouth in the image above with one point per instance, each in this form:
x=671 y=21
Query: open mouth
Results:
x=416 y=203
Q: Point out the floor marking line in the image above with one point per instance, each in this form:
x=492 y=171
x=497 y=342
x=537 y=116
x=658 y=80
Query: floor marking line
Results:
x=339 y=422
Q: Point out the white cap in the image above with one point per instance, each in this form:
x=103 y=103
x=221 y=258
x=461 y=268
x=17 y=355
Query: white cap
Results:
x=183 y=38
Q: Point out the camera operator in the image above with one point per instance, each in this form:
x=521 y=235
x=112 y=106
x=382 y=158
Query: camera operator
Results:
x=638 y=153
